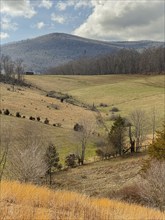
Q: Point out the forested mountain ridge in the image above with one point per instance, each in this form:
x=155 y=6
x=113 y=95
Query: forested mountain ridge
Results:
x=57 y=48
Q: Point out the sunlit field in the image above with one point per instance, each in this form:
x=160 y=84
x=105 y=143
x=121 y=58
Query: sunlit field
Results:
x=25 y=201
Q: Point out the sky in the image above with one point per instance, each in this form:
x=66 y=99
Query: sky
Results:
x=111 y=20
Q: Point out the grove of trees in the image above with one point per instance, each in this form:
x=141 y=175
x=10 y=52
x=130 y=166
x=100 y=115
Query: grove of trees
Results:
x=11 y=71
x=125 y=61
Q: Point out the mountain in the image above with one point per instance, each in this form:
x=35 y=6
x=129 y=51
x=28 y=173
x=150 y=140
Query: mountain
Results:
x=58 y=48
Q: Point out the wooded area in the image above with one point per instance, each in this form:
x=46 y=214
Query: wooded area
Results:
x=125 y=61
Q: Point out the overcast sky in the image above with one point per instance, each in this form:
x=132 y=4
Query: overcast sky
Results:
x=97 y=19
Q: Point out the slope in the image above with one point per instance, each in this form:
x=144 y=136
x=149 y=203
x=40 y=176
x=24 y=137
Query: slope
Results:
x=58 y=48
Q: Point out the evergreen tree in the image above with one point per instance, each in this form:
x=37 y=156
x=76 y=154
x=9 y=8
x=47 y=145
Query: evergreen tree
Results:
x=117 y=134
x=157 y=148
x=52 y=160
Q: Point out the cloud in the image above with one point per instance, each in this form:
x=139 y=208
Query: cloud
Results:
x=63 y=5
x=57 y=18
x=124 y=20
x=3 y=35
x=40 y=25
x=7 y=24
x=46 y=4
x=17 y=8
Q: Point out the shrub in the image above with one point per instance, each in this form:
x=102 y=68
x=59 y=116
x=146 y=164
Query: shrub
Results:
x=157 y=148
x=152 y=185
x=38 y=119
x=103 y=105
x=0 y=111
x=18 y=114
x=31 y=118
x=114 y=109
x=46 y=121
x=6 y=112
x=78 y=127
x=70 y=160
x=23 y=116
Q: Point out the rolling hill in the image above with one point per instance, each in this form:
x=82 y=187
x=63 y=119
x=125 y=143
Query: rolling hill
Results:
x=58 y=48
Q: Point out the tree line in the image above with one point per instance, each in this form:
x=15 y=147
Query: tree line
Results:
x=125 y=61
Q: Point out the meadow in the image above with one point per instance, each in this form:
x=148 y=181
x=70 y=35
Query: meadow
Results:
x=127 y=92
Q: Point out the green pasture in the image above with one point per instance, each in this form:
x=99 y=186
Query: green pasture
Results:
x=127 y=92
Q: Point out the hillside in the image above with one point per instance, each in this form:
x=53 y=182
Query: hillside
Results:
x=58 y=48
x=125 y=92
x=114 y=90
x=25 y=201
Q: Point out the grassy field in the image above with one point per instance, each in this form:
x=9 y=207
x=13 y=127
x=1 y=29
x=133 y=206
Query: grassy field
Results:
x=25 y=201
x=127 y=92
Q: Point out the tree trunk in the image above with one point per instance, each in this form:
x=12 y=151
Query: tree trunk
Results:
x=83 y=154
x=132 y=142
x=50 y=176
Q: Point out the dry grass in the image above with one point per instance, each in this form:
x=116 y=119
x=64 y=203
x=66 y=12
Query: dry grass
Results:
x=27 y=202
x=101 y=178
x=31 y=102
x=123 y=91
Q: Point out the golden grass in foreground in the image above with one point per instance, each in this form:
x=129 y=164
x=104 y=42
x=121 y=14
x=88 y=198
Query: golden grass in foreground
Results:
x=25 y=201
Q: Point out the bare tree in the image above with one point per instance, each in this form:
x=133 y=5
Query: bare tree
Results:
x=153 y=122
x=19 y=69
x=84 y=135
x=138 y=119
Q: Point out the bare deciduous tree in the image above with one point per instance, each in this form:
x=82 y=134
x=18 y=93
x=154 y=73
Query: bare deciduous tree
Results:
x=138 y=119
x=84 y=135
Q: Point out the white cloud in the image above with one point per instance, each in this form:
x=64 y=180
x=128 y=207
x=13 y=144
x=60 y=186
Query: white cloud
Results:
x=40 y=25
x=3 y=35
x=46 y=4
x=7 y=24
x=16 y=8
x=63 y=5
x=57 y=18
x=124 y=20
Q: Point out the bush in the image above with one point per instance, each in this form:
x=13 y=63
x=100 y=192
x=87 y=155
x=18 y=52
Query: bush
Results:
x=6 y=112
x=103 y=105
x=31 y=118
x=70 y=160
x=114 y=109
x=38 y=119
x=152 y=185
x=78 y=127
x=157 y=148
x=130 y=193
x=46 y=121
x=18 y=115
x=0 y=111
